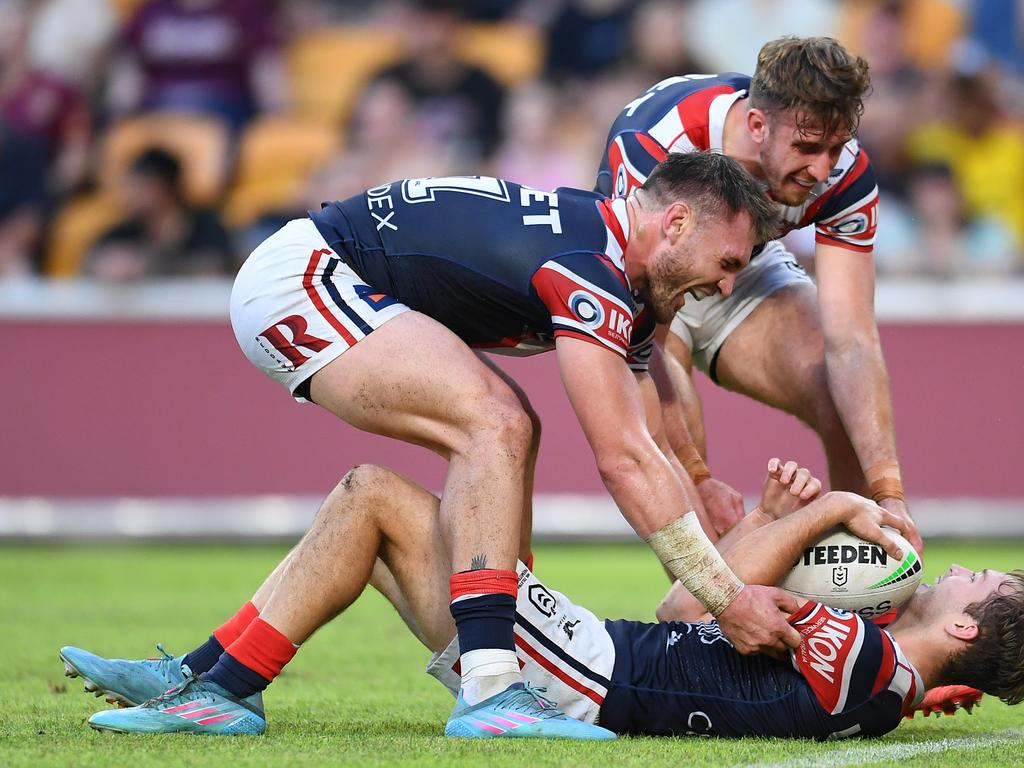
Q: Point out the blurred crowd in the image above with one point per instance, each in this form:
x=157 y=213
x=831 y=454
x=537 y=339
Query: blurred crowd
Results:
x=168 y=137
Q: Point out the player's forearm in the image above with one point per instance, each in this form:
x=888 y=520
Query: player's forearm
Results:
x=644 y=485
x=767 y=552
x=651 y=498
x=656 y=427
x=859 y=384
x=679 y=407
x=750 y=523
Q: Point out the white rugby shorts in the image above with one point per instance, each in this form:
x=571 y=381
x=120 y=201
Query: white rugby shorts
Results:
x=705 y=325
x=296 y=306
x=562 y=647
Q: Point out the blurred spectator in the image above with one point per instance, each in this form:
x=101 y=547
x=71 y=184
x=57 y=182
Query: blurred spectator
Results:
x=386 y=134
x=928 y=28
x=984 y=149
x=453 y=103
x=658 y=41
x=588 y=37
x=727 y=34
x=43 y=95
x=896 y=92
x=23 y=201
x=69 y=39
x=535 y=150
x=999 y=26
x=51 y=113
x=931 y=234
x=214 y=56
x=162 y=235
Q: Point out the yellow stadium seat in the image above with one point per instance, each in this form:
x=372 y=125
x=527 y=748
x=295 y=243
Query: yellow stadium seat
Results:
x=125 y=9
x=202 y=144
x=511 y=53
x=76 y=228
x=329 y=68
x=275 y=158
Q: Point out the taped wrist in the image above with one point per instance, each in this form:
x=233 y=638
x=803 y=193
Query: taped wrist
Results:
x=688 y=554
x=884 y=481
x=695 y=467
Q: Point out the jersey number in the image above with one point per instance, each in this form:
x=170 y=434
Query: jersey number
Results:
x=425 y=190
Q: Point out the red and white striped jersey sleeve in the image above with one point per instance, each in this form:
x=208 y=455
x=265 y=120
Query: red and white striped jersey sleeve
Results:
x=846 y=214
x=847 y=661
x=587 y=302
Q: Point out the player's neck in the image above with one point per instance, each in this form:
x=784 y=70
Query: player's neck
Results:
x=918 y=645
x=736 y=141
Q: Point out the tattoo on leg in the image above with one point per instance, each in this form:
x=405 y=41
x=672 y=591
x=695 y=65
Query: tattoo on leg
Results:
x=478 y=563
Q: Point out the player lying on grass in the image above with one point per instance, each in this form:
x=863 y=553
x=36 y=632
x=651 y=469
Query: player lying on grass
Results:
x=847 y=677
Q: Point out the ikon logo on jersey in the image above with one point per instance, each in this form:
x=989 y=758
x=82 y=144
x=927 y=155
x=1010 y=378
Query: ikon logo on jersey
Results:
x=594 y=313
x=587 y=308
x=854 y=225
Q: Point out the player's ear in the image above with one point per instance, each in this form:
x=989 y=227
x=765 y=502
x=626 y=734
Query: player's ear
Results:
x=757 y=124
x=964 y=627
x=677 y=220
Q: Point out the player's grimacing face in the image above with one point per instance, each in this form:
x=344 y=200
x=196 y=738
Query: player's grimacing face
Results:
x=794 y=161
x=702 y=262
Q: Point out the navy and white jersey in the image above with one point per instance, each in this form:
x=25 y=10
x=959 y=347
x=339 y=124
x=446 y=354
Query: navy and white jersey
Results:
x=506 y=267
x=687 y=114
x=848 y=677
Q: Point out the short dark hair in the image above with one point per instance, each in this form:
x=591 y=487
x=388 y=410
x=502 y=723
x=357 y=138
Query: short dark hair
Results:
x=815 y=76
x=158 y=163
x=714 y=185
x=994 y=662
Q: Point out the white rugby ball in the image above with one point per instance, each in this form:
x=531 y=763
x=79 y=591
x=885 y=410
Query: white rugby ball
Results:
x=844 y=571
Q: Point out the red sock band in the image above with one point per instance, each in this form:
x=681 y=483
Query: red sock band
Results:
x=262 y=649
x=485 y=581
x=529 y=561
x=233 y=628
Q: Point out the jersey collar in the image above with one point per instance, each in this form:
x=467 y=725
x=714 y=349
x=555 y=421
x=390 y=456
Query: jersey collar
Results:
x=616 y=222
x=716 y=118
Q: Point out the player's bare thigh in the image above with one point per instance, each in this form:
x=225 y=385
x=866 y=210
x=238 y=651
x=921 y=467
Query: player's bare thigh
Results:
x=415 y=380
x=776 y=355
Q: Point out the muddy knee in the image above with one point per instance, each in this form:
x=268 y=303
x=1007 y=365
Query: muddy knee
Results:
x=363 y=486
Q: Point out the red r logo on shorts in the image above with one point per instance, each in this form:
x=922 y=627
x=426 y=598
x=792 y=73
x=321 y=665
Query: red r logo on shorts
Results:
x=290 y=349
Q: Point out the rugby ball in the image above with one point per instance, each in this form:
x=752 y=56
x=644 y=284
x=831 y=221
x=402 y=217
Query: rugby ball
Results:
x=844 y=571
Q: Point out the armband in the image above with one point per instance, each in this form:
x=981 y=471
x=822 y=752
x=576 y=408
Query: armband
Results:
x=884 y=481
x=688 y=554
x=695 y=467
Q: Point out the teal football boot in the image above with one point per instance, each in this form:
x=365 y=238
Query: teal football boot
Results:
x=196 y=706
x=518 y=712
x=124 y=682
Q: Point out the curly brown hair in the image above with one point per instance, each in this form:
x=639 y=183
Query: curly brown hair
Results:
x=994 y=662
x=816 y=77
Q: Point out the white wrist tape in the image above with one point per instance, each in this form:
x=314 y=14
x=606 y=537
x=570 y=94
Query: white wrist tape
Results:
x=689 y=555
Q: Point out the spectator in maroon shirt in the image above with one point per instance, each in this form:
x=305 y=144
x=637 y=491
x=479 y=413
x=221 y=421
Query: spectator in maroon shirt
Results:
x=215 y=56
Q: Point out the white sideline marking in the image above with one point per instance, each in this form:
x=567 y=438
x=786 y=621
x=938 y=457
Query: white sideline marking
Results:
x=894 y=752
x=556 y=516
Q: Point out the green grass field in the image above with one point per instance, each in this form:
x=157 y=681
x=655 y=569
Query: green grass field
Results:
x=356 y=694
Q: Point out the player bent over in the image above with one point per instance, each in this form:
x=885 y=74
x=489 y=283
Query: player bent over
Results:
x=370 y=307
x=810 y=350
x=847 y=677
